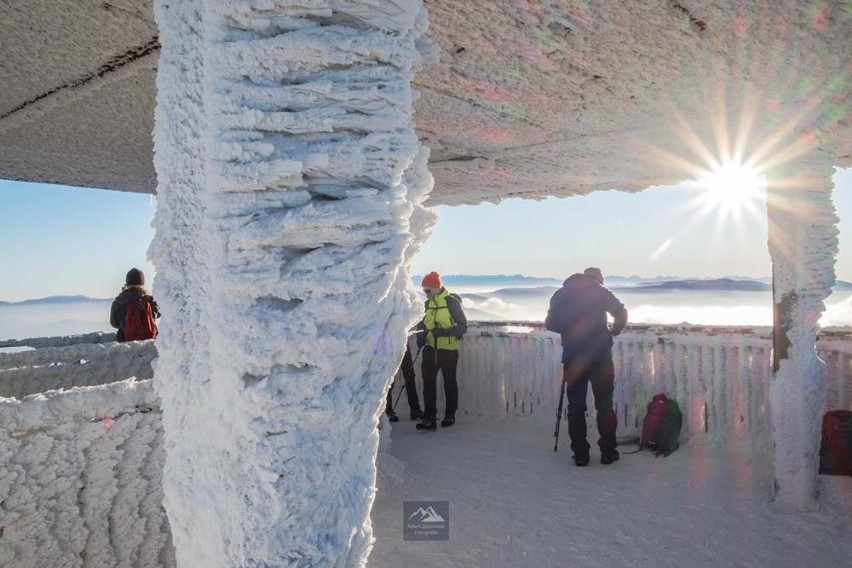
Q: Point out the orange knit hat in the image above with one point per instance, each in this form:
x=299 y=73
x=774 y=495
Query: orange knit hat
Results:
x=432 y=280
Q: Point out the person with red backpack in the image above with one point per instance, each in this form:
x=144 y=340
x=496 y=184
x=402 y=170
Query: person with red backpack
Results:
x=134 y=311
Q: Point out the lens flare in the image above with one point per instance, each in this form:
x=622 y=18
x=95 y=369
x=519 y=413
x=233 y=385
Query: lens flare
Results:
x=732 y=188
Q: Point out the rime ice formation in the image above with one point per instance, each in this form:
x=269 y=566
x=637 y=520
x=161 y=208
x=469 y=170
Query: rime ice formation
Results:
x=82 y=469
x=81 y=479
x=85 y=364
x=288 y=171
x=803 y=246
x=291 y=183
x=530 y=98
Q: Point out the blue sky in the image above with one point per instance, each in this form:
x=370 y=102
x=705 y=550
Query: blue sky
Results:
x=60 y=240
x=658 y=232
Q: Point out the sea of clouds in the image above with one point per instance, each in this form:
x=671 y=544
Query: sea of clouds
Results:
x=719 y=307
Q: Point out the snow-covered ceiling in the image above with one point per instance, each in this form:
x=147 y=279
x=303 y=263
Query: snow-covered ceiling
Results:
x=530 y=97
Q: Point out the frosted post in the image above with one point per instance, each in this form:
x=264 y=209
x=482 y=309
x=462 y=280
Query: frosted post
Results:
x=802 y=245
x=290 y=191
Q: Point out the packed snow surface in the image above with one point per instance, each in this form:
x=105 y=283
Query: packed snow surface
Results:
x=515 y=503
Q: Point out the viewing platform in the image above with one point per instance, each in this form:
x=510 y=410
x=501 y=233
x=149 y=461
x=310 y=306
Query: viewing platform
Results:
x=83 y=468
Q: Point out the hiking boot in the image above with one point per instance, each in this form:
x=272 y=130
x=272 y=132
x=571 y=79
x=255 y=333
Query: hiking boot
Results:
x=448 y=421
x=392 y=417
x=609 y=457
x=581 y=461
x=416 y=414
x=427 y=424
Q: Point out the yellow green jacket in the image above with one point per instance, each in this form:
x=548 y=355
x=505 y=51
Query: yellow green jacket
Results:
x=444 y=312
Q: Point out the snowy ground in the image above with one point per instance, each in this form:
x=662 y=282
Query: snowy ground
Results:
x=515 y=503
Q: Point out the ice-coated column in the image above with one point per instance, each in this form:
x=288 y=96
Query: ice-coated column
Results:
x=803 y=247
x=289 y=205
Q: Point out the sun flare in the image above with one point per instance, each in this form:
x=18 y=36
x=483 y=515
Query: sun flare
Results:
x=732 y=188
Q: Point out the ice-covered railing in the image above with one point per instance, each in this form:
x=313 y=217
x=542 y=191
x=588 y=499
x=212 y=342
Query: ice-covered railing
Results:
x=42 y=364
x=81 y=479
x=58 y=341
x=81 y=475
x=719 y=375
x=834 y=346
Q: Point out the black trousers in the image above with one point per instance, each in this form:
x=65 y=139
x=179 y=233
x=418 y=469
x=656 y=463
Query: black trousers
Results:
x=578 y=374
x=407 y=368
x=445 y=360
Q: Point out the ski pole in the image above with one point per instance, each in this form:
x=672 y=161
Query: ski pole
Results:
x=559 y=415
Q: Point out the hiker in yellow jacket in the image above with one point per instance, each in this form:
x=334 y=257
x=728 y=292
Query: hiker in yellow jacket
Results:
x=442 y=327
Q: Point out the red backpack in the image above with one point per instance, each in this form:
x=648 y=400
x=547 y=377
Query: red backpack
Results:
x=139 y=321
x=661 y=426
x=835 y=453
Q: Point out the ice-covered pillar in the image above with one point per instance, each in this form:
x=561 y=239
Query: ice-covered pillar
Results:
x=289 y=204
x=803 y=246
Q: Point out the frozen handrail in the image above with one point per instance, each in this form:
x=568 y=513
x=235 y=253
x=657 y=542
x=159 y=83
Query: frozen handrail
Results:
x=59 y=341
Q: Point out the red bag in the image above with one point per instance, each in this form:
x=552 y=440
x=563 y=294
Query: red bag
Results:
x=661 y=425
x=139 y=322
x=835 y=452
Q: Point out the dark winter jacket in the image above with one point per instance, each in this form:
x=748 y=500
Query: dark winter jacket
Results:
x=118 y=310
x=578 y=313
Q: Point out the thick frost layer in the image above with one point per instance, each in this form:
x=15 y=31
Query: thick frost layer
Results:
x=52 y=368
x=720 y=376
x=289 y=170
x=803 y=245
x=80 y=479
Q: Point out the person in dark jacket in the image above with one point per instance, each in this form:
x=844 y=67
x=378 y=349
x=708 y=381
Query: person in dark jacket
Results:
x=409 y=376
x=578 y=312
x=133 y=290
x=442 y=327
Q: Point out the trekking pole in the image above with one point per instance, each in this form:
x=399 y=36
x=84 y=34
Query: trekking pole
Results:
x=436 y=365
x=402 y=390
x=559 y=415
x=413 y=361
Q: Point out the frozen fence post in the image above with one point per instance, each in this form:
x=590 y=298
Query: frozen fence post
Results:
x=802 y=245
x=290 y=191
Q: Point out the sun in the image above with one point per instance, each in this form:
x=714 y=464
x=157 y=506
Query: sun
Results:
x=732 y=188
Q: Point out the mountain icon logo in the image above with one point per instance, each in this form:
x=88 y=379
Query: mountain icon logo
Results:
x=427 y=515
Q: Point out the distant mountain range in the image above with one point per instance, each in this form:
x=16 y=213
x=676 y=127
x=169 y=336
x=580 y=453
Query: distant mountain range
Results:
x=728 y=283
x=518 y=286
x=521 y=293
x=482 y=280
x=709 y=284
x=524 y=285
x=55 y=300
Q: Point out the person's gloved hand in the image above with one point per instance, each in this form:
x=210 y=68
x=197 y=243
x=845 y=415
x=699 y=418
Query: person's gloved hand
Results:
x=438 y=332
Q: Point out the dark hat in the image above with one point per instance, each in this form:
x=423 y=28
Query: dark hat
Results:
x=595 y=273
x=135 y=277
